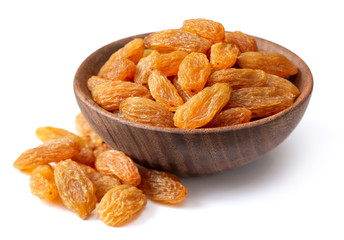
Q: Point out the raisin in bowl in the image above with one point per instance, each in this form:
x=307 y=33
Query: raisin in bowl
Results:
x=191 y=152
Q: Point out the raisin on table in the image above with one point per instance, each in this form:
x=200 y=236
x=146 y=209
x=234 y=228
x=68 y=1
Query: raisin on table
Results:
x=162 y=186
x=75 y=189
x=121 y=204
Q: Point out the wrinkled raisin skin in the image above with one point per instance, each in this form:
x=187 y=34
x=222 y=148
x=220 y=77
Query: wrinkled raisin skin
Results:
x=146 y=111
x=193 y=72
x=166 y=41
x=42 y=183
x=120 y=205
x=230 y=117
x=162 y=186
x=270 y=62
x=202 y=107
x=223 y=55
x=238 y=78
x=76 y=190
x=118 y=164
x=163 y=91
x=51 y=151
x=261 y=101
x=109 y=95
x=211 y=30
x=245 y=42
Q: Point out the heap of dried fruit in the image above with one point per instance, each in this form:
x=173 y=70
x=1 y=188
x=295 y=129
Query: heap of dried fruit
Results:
x=81 y=170
x=193 y=77
x=171 y=70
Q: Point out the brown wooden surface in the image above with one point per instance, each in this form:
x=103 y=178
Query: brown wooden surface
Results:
x=191 y=152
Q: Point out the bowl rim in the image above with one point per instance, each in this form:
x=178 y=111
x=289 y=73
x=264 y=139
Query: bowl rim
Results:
x=304 y=96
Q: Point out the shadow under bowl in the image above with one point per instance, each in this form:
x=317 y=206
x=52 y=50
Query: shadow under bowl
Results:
x=191 y=152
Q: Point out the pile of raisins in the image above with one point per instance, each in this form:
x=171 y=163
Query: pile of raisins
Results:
x=84 y=173
x=193 y=77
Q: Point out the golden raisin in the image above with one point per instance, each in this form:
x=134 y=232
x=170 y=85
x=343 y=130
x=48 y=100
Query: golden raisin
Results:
x=270 y=62
x=176 y=40
x=42 y=183
x=230 y=117
x=94 y=81
x=49 y=133
x=121 y=204
x=51 y=151
x=85 y=156
x=276 y=81
x=119 y=69
x=185 y=96
x=75 y=188
x=133 y=51
x=261 y=101
x=146 y=111
x=202 y=107
x=168 y=63
x=205 y=28
x=193 y=72
x=118 y=164
x=102 y=183
x=101 y=148
x=162 y=187
x=245 y=42
x=238 y=78
x=163 y=91
x=143 y=68
x=109 y=95
x=223 y=55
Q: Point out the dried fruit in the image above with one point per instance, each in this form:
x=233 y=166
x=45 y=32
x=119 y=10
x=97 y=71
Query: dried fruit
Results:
x=118 y=164
x=143 y=68
x=205 y=28
x=176 y=40
x=270 y=62
x=75 y=188
x=133 y=51
x=163 y=91
x=94 y=81
x=245 y=42
x=147 y=52
x=276 y=81
x=230 y=117
x=162 y=187
x=146 y=111
x=49 y=133
x=238 y=78
x=121 y=204
x=185 y=96
x=102 y=183
x=223 y=55
x=51 y=151
x=194 y=72
x=85 y=156
x=85 y=131
x=45 y=170
x=42 y=183
x=168 y=63
x=109 y=95
x=261 y=101
x=101 y=148
x=201 y=108
x=119 y=69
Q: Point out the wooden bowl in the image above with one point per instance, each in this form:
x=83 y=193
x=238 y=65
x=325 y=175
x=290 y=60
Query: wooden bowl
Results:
x=194 y=152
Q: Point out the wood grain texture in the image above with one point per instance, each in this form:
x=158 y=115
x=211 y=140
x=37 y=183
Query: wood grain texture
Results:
x=194 y=152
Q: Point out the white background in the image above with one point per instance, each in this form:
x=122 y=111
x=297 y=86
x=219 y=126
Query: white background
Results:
x=292 y=192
